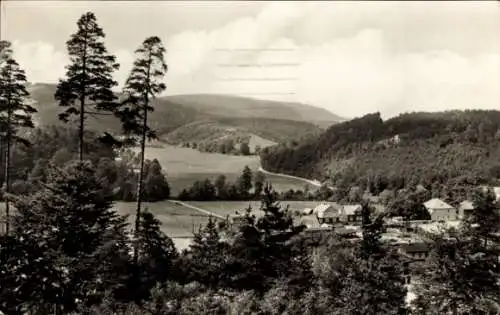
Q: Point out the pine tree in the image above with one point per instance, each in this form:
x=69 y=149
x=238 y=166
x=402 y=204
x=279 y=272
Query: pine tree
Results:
x=15 y=112
x=258 y=184
x=371 y=245
x=88 y=81
x=143 y=84
x=207 y=256
x=156 y=187
x=220 y=187
x=245 y=182
x=484 y=222
x=464 y=269
x=157 y=256
x=246 y=263
x=71 y=246
x=374 y=282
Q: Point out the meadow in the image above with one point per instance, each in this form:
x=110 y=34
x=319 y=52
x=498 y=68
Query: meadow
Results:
x=225 y=208
x=184 y=166
x=179 y=222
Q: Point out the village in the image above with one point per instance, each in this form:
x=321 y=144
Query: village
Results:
x=409 y=236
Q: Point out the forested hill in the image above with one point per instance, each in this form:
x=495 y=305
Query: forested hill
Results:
x=274 y=121
x=459 y=147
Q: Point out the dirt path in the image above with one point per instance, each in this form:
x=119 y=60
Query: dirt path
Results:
x=311 y=182
x=198 y=209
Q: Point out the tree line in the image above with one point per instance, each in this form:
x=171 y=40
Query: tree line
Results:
x=447 y=153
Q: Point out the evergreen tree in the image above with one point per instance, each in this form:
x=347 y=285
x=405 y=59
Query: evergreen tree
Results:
x=484 y=222
x=371 y=245
x=374 y=282
x=246 y=264
x=88 y=83
x=258 y=184
x=245 y=182
x=15 y=111
x=71 y=247
x=207 y=256
x=244 y=148
x=143 y=84
x=463 y=272
x=157 y=256
x=220 y=187
x=156 y=187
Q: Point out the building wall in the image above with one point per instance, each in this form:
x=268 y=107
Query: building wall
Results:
x=445 y=214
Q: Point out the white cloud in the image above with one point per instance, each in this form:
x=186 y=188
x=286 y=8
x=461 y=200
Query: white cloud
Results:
x=350 y=62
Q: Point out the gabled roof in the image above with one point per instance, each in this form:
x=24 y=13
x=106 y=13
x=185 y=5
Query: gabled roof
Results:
x=435 y=204
x=351 y=209
x=466 y=205
x=327 y=210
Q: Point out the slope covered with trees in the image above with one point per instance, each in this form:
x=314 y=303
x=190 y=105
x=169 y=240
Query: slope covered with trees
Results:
x=455 y=148
x=272 y=121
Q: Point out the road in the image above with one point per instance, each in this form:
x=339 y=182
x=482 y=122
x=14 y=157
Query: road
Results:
x=314 y=183
x=198 y=209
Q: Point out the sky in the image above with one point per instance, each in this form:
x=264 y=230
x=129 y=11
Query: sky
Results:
x=351 y=58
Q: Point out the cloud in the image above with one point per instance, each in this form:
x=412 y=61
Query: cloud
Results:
x=378 y=57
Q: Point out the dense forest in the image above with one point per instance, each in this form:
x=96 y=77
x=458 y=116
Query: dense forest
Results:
x=436 y=150
x=57 y=146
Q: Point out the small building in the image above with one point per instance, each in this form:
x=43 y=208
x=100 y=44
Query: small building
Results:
x=328 y=213
x=465 y=209
x=441 y=211
x=415 y=251
x=351 y=214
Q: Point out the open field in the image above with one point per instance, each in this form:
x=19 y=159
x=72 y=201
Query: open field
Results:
x=225 y=208
x=184 y=166
x=178 y=222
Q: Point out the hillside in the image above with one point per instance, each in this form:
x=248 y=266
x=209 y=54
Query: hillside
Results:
x=210 y=136
x=273 y=121
x=456 y=148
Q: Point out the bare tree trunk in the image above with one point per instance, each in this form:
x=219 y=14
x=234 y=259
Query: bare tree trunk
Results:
x=7 y=171
x=140 y=181
x=82 y=103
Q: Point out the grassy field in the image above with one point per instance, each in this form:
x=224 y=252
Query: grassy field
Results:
x=225 y=208
x=178 y=222
x=184 y=166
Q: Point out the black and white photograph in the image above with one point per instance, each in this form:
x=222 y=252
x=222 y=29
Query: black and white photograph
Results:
x=249 y=157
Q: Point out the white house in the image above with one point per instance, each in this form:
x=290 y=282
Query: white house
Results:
x=328 y=213
x=441 y=211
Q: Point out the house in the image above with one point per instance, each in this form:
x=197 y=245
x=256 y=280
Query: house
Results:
x=465 y=209
x=332 y=213
x=417 y=251
x=441 y=211
x=328 y=213
x=351 y=214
